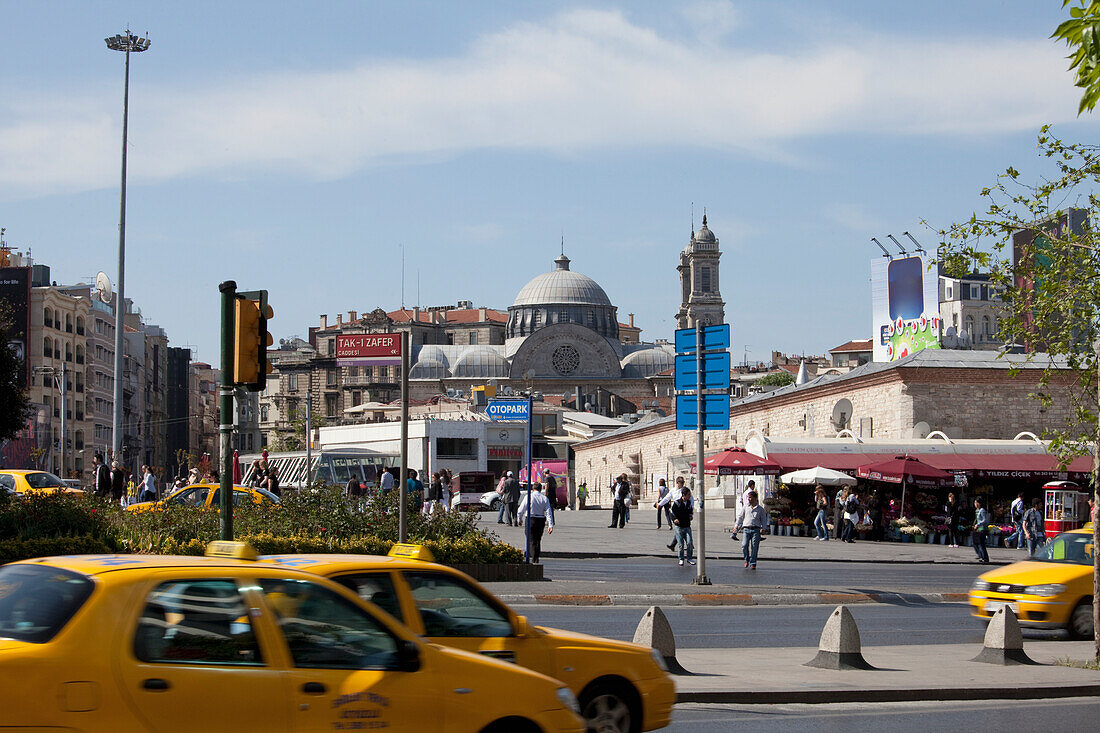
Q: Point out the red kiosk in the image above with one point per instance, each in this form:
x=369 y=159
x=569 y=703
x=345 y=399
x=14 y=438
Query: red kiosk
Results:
x=1062 y=509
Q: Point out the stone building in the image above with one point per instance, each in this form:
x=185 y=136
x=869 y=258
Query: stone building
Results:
x=701 y=297
x=963 y=394
x=970 y=312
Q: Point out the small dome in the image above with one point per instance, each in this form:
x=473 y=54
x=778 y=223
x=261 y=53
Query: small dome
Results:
x=428 y=369
x=562 y=286
x=647 y=362
x=704 y=238
x=432 y=352
x=481 y=362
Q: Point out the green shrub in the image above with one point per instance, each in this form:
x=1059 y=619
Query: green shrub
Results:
x=12 y=550
x=34 y=516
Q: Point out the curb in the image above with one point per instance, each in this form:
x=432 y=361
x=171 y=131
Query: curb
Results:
x=816 y=697
x=725 y=599
x=589 y=555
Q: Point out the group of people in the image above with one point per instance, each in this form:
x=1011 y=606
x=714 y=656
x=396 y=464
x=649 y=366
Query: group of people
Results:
x=264 y=475
x=116 y=482
x=537 y=514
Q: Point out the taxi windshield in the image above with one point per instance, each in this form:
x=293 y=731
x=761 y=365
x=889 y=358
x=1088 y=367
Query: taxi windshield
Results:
x=1075 y=549
x=37 y=601
x=43 y=480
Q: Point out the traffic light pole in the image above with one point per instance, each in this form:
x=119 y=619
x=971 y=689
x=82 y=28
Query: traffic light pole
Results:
x=403 y=489
x=225 y=497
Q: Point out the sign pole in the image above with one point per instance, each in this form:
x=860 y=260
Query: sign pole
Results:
x=403 y=518
x=701 y=577
x=530 y=444
x=309 y=434
x=229 y=317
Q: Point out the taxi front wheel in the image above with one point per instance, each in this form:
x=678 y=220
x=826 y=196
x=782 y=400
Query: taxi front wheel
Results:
x=1080 y=621
x=611 y=707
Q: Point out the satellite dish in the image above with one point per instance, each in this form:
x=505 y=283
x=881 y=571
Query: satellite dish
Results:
x=103 y=287
x=921 y=429
x=842 y=414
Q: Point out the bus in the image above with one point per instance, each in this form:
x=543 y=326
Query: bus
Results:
x=329 y=465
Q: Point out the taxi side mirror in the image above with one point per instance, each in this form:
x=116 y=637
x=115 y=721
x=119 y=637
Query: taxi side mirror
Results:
x=522 y=627
x=408 y=656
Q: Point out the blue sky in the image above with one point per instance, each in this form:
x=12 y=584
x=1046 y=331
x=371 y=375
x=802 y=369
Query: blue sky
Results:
x=298 y=147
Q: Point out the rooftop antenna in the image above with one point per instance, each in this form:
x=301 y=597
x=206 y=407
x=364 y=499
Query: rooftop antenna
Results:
x=563 y=241
x=897 y=244
x=402 y=277
x=914 y=241
x=418 y=287
x=693 y=217
x=885 y=253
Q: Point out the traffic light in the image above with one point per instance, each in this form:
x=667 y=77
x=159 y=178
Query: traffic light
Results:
x=251 y=339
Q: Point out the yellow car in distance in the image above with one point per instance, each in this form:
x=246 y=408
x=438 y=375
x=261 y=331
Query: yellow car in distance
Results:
x=198 y=644
x=622 y=688
x=26 y=481
x=206 y=496
x=1052 y=589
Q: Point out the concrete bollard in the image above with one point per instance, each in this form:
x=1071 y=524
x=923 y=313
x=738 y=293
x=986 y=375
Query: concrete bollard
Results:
x=839 y=647
x=1004 y=644
x=655 y=631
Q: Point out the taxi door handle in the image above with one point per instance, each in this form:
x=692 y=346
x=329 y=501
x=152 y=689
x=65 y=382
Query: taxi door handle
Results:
x=314 y=688
x=156 y=684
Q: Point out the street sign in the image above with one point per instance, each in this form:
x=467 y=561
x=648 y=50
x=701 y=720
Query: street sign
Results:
x=508 y=410
x=368 y=349
x=714 y=337
x=716 y=412
x=716 y=371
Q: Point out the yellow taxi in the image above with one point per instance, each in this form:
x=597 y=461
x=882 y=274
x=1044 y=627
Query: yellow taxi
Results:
x=193 y=645
x=1052 y=589
x=26 y=481
x=206 y=496
x=622 y=687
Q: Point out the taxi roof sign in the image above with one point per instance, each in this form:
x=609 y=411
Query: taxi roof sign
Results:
x=411 y=552
x=235 y=550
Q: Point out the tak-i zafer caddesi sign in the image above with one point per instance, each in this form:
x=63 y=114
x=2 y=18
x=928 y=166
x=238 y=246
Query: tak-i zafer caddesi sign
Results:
x=368 y=349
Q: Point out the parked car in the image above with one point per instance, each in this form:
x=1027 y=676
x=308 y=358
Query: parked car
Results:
x=205 y=495
x=23 y=481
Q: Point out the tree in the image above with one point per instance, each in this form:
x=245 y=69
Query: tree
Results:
x=775 y=379
x=295 y=438
x=15 y=405
x=1036 y=242
x=1082 y=34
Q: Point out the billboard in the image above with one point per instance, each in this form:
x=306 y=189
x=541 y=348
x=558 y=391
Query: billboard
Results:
x=368 y=349
x=15 y=292
x=905 y=307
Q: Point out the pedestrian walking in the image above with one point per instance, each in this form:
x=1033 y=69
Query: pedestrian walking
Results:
x=148 y=485
x=539 y=517
x=582 y=494
x=386 y=483
x=354 y=489
x=821 y=501
x=838 y=512
x=434 y=500
x=620 y=493
x=1035 y=531
x=851 y=515
x=682 y=513
x=752 y=524
x=272 y=484
x=1016 y=514
x=951 y=519
x=503 y=502
x=662 y=508
x=118 y=481
x=981 y=524
x=102 y=476
x=552 y=490
x=670 y=497
x=742 y=505
x=511 y=499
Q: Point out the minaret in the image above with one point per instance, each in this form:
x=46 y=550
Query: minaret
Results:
x=700 y=296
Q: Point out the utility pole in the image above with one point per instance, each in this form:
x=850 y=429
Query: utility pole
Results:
x=402 y=517
x=229 y=315
x=701 y=577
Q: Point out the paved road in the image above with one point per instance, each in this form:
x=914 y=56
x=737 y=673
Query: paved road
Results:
x=778 y=626
x=1066 y=714
x=861 y=577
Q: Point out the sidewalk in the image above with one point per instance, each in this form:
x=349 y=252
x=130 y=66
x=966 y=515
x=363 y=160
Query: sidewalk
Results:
x=904 y=673
x=585 y=534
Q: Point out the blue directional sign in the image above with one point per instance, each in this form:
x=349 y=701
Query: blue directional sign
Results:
x=716 y=371
x=508 y=410
x=716 y=412
x=714 y=337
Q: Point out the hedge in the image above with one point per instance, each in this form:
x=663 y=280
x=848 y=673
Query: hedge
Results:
x=12 y=550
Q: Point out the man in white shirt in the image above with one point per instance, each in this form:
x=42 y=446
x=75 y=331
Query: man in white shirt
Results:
x=539 y=518
x=742 y=506
x=386 y=483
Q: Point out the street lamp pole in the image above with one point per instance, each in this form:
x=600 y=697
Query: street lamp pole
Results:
x=127 y=43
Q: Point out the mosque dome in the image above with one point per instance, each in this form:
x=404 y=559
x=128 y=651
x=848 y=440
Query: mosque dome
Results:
x=562 y=286
x=481 y=363
x=647 y=362
x=562 y=296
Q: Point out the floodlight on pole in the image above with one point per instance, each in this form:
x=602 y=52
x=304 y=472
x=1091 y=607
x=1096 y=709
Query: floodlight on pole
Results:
x=127 y=43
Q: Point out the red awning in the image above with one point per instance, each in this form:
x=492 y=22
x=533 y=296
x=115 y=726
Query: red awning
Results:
x=976 y=465
x=906 y=470
x=739 y=462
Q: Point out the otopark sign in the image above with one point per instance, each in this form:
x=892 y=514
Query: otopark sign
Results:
x=509 y=410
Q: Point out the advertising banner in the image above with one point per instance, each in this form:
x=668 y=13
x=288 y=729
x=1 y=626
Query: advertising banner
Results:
x=15 y=292
x=368 y=349
x=905 y=307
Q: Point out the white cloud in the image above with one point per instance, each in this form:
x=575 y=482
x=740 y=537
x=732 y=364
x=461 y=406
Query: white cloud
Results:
x=578 y=81
x=852 y=216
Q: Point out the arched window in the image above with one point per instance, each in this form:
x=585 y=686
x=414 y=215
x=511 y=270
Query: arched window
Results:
x=986 y=328
x=80 y=325
x=68 y=352
x=79 y=354
x=68 y=323
x=47 y=318
x=263 y=413
x=970 y=326
x=47 y=347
